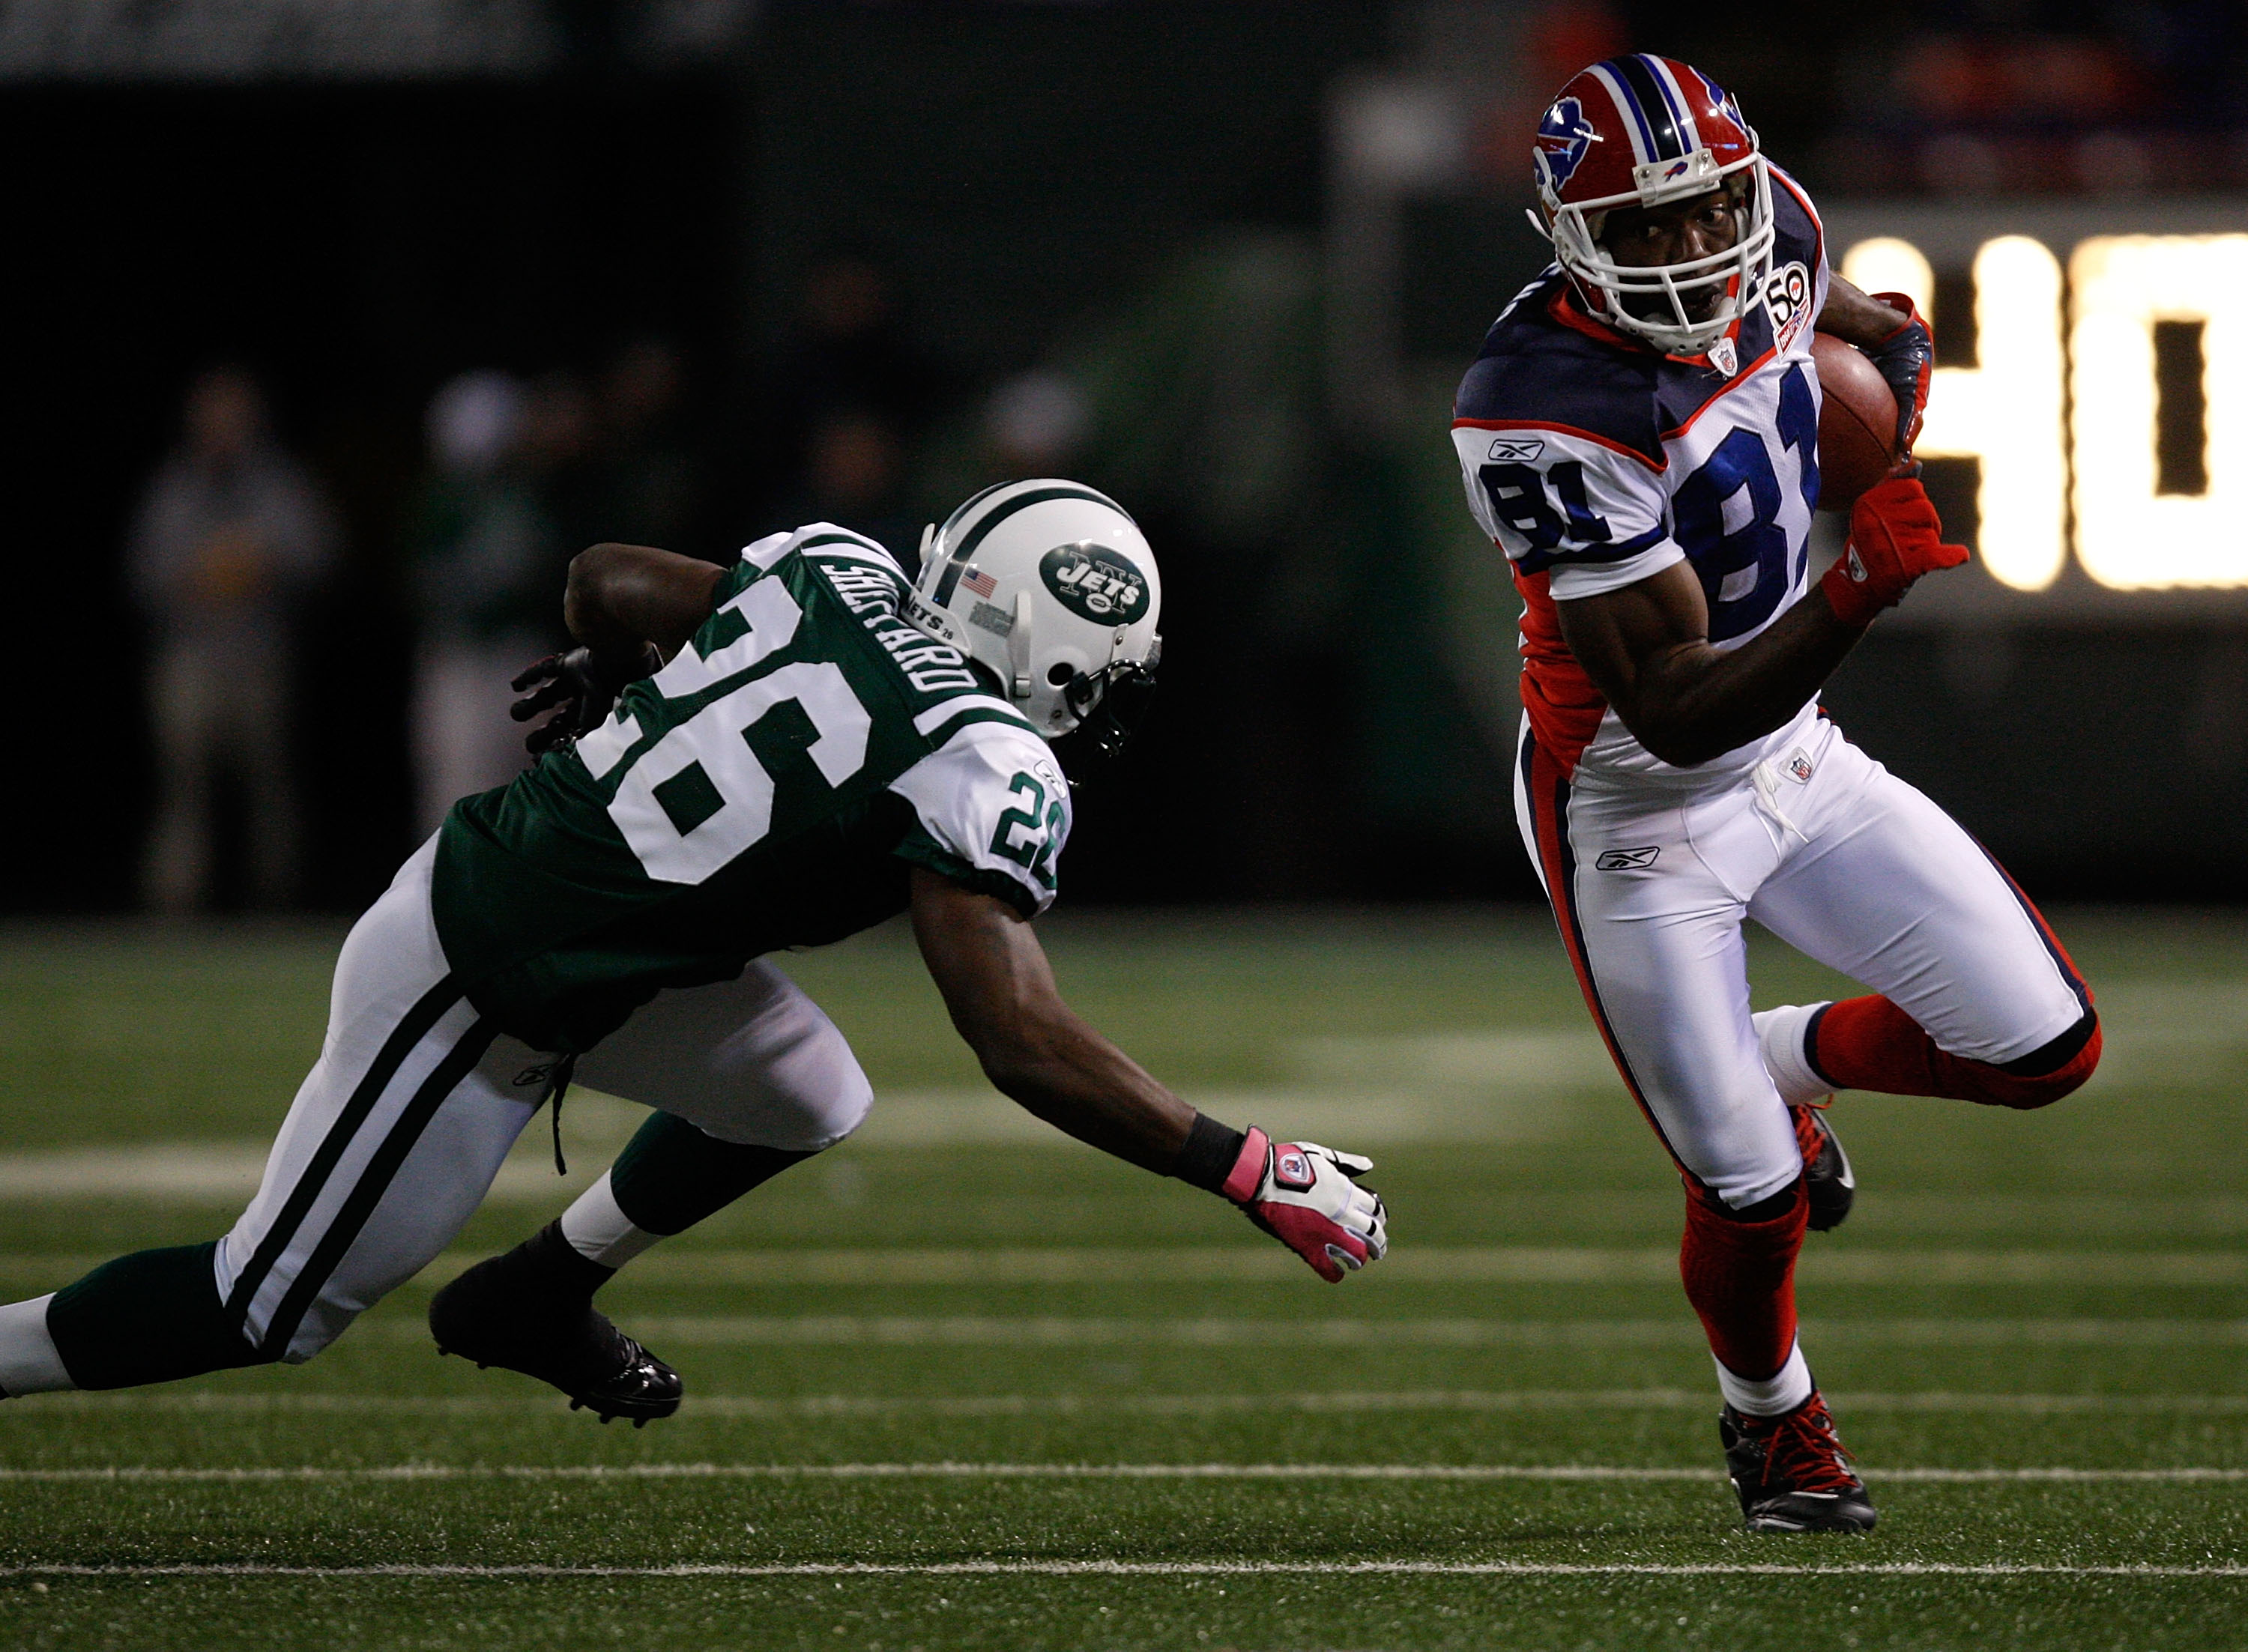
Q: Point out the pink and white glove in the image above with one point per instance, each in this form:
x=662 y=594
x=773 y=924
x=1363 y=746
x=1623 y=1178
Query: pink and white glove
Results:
x=1303 y=1195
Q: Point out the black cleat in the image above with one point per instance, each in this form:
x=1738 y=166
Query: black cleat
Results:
x=532 y=1310
x=1827 y=1178
x=1791 y=1472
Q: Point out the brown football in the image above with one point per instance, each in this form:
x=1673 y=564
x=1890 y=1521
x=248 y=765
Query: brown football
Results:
x=1857 y=423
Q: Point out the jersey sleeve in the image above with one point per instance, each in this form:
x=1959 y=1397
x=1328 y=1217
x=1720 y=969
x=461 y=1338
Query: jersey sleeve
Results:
x=1596 y=516
x=991 y=811
x=1798 y=235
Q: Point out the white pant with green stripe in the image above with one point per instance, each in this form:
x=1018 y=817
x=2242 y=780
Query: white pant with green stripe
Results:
x=397 y=1132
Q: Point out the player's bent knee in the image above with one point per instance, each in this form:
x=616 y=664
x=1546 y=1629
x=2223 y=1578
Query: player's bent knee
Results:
x=787 y=1080
x=823 y=1094
x=846 y=1109
x=827 y=1117
x=2045 y=1075
x=808 y=1109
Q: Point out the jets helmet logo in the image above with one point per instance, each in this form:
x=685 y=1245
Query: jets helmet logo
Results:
x=1563 y=137
x=1094 y=583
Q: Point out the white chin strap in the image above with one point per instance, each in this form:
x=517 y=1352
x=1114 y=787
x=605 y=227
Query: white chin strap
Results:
x=1018 y=649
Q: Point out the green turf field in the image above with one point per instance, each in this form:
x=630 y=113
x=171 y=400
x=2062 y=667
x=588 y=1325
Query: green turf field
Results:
x=956 y=1385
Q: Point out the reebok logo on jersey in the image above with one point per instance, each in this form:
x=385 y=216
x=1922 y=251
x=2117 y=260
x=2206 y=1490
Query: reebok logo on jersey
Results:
x=1626 y=860
x=1514 y=450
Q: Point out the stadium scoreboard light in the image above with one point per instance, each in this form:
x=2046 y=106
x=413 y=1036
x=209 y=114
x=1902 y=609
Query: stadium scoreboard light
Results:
x=2061 y=410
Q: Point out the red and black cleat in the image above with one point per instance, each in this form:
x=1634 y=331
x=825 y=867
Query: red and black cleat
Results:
x=1791 y=1472
x=1827 y=1182
x=532 y=1310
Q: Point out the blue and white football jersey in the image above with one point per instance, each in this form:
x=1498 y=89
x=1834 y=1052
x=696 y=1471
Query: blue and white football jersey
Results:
x=1593 y=461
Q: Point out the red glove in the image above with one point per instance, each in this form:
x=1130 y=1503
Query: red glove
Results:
x=1303 y=1195
x=1896 y=537
x=1905 y=359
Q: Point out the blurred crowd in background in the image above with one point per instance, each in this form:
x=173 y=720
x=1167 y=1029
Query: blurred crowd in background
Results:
x=235 y=538
x=318 y=404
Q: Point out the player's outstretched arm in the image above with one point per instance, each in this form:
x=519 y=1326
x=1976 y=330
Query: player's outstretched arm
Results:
x=631 y=608
x=1647 y=646
x=1034 y=1048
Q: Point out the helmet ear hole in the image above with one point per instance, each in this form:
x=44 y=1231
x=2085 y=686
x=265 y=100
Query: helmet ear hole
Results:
x=1058 y=674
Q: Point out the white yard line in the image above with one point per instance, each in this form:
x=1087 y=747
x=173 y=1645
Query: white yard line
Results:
x=1462 y=1471
x=1249 y=1265
x=1058 y=1331
x=519 y=1401
x=1487 y=1265
x=1061 y=1331
x=1145 y=1568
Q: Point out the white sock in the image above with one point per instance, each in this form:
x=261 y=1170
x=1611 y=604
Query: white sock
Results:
x=29 y=1362
x=1779 y=1036
x=598 y=1231
x=1773 y=1396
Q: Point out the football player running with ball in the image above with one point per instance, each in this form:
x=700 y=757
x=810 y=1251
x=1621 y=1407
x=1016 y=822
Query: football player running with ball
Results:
x=1639 y=435
x=777 y=753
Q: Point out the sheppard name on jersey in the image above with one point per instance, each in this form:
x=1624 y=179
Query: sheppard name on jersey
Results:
x=929 y=665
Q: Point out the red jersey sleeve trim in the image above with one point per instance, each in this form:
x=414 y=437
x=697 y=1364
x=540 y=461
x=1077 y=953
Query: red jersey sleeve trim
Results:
x=1570 y=316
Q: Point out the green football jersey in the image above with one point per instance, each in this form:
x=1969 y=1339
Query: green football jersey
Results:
x=769 y=787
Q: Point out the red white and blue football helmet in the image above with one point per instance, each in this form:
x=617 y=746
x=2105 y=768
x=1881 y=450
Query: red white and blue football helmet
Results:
x=1643 y=131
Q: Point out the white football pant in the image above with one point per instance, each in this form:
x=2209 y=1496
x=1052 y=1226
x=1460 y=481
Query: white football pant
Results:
x=1650 y=877
x=400 y=1128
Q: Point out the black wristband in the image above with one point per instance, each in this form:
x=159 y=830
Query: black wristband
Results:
x=1211 y=1151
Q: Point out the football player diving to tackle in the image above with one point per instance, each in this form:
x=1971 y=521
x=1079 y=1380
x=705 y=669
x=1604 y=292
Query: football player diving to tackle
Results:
x=1640 y=436
x=777 y=753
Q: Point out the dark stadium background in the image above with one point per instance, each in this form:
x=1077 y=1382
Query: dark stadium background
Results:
x=1032 y=175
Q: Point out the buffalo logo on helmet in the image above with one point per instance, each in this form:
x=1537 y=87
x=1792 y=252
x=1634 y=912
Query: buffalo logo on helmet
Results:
x=1720 y=99
x=1563 y=137
x=1094 y=583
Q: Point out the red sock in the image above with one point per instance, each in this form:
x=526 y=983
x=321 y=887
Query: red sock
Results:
x=1870 y=1043
x=1740 y=1277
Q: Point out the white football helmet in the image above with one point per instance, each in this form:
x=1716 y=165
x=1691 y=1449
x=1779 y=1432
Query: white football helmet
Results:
x=1645 y=131
x=1051 y=588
